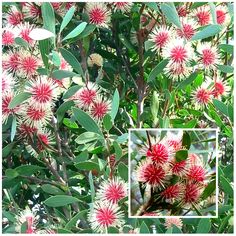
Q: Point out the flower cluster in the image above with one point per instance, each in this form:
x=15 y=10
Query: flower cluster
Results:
x=174 y=179
x=105 y=212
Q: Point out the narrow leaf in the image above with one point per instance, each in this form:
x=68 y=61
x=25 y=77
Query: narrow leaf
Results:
x=67 y=18
x=19 y=99
x=115 y=104
x=60 y=200
x=75 y=32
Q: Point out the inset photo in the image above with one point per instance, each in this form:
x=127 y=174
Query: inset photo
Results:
x=173 y=172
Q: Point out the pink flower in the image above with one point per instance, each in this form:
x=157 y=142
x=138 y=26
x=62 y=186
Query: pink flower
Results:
x=203 y=15
x=112 y=190
x=222 y=15
x=14 y=17
x=209 y=56
x=99 y=108
x=98 y=14
x=196 y=173
x=169 y=222
x=182 y=10
x=220 y=88
x=8 y=36
x=173 y=192
x=192 y=193
x=179 y=168
x=151 y=174
x=32 y=10
x=188 y=29
x=36 y=116
x=161 y=36
x=105 y=214
x=123 y=6
x=28 y=65
x=202 y=96
x=43 y=91
x=177 y=71
x=11 y=61
x=44 y=140
x=6 y=111
x=26 y=131
x=178 y=52
x=7 y=82
x=160 y=153
x=24 y=31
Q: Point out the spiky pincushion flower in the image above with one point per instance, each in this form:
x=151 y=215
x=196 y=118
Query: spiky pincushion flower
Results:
x=14 y=16
x=105 y=214
x=196 y=173
x=99 y=108
x=6 y=111
x=11 y=61
x=123 y=6
x=174 y=140
x=188 y=28
x=208 y=55
x=169 y=222
x=95 y=59
x=202 y=96
x=26 y=131
x=160 y=37
x=112 y=190
x=203 y=15
x=192 y=193
x=220 y=88
x=222 y=15
x=28 y=217
x=160 y=152
x=86 y=96
x=178 y=52
x=151 y=174
x=177 y=71
x=98 y=14
x=24 y=30
x=32 y=10
x=43 y=91
x=179 y=168
x=8 y=36
x=28 y=64
x=173 y=192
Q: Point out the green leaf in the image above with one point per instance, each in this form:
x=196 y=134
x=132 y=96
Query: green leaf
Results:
x=44 y=46
x=75 y=32
x=144 y=229
x=157 y=70
x=226 y=69
x=123 y=171
x=213 y=12
x=153 y=6
x=87 y=165
x=62 y=109
x=72 y=223
x=171 y=14
x=48 y=18
x=13 y=128
x=7 y=149
x=210 y=188
x=87 y=31
x=118 y=150
x=227 y=48
x=61 y=74
x=176 y=230
x=71 y=91
x=88 y=137
x=51 y=189
x=113 y=230
x=11 y=173
x=56 y=59
x=226 y=186
x=67 y=18
x=122 y=138
x=71 y=59
x=19 y=99
x=126 y=43
x=204 y=226
x=189 y=80
x=86 y=121
x=231 y=112
x=115 y=104
x=21 y=42
x=181 y=155
x=107 y=122
x=208 y=31
x=91 y=184
x=60 y=200
x=186 y=141
x=220 y=106
x=28 y=170
x=70 y=124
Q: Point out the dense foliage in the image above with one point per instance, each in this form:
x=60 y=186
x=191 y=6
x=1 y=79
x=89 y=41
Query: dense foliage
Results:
x=76 y=77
